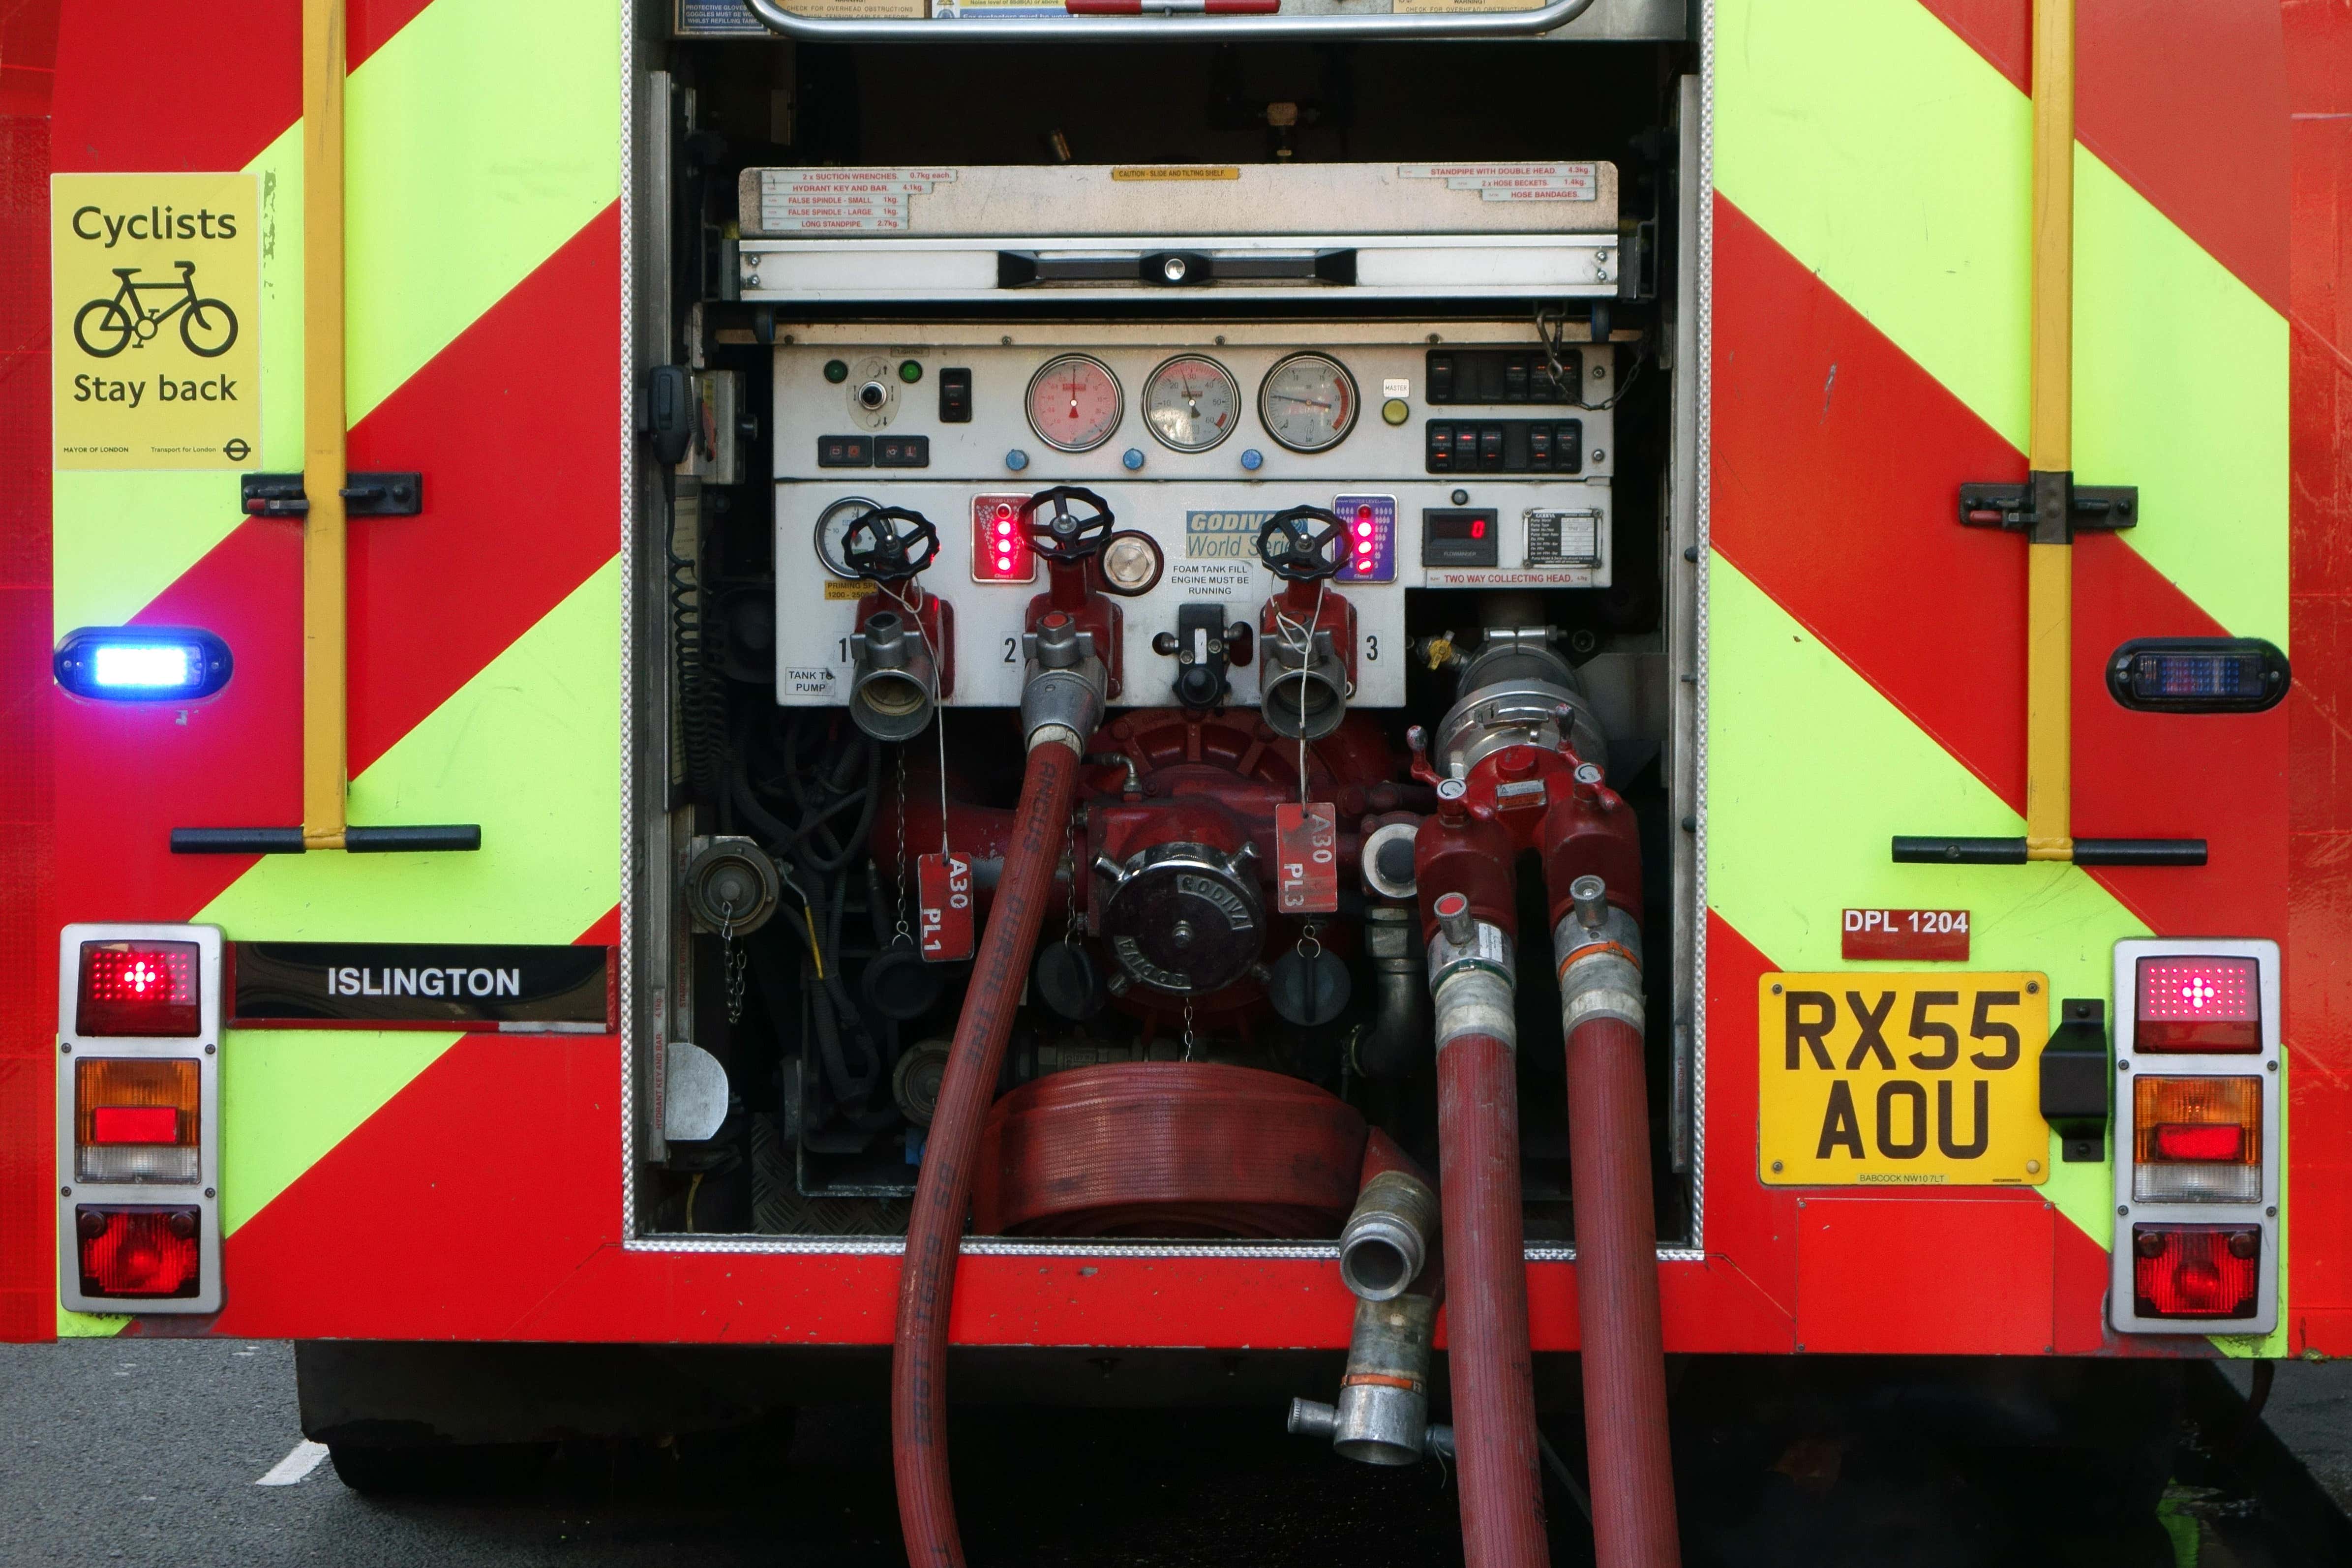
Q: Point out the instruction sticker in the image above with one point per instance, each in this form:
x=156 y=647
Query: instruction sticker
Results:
x=155 y=293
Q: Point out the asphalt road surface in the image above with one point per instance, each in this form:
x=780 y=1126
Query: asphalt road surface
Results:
x=155 y=1451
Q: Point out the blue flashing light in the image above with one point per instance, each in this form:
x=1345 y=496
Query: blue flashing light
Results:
x=141 y=664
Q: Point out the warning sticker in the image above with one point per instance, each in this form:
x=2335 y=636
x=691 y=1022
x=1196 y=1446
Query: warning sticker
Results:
x=1507 y=182
x=1177 y=172
x=837 y=201
x=155 y=292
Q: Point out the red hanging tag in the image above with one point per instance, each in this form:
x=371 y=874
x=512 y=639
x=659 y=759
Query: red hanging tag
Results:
x=943 y=905
x=1307 y=858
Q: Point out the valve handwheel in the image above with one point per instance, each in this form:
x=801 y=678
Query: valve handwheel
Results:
x=1058 y=532
x=1313 y=543
x=875 y=546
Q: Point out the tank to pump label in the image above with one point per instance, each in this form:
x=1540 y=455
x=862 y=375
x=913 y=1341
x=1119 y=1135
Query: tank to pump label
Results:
x=813 y=682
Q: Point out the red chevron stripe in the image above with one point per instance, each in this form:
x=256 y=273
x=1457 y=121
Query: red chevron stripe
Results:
x=2187 y=103
x=1837 y=461
x=521 y=405
x=154 y=88
x=515 y=426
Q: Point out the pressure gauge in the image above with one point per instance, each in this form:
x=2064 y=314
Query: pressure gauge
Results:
x=832 y=529
x=1074 y=403
x=1192 y=402
x=1308 y=402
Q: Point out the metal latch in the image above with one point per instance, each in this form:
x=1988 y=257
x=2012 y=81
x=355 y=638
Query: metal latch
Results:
x=2076 y=1080
x=2020 y=508
x=365 y=495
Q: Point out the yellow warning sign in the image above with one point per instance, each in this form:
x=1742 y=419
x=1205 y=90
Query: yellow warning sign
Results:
x=156 y=305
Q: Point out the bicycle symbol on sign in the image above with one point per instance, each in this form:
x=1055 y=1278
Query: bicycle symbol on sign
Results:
x=104 y=328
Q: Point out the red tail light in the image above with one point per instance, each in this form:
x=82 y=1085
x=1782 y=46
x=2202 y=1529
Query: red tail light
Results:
x=2196 y=1270
x=2200 y=1142
x=137 y=1252
x=139 y=989
x=2200 y=1004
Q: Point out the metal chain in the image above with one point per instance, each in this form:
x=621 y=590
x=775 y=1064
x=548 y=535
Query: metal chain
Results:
x=1310 y=942
x=1077 y=927
x=732 y=961
x=901 y=933
x=1188 y=1028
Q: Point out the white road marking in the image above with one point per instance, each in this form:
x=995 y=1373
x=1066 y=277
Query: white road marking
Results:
x=296 y=1466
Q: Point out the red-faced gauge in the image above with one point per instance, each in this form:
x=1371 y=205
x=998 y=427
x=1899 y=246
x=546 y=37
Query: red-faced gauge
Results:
x=1308 y=402
x=1074 y=403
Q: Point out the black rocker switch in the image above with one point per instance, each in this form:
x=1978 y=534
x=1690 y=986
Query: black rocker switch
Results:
x=955 y=397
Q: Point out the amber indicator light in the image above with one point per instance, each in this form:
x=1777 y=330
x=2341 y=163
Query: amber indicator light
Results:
x=2197 y=1140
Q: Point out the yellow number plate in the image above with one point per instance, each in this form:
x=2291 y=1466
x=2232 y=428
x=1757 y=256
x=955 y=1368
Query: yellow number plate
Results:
x=1879 y=1079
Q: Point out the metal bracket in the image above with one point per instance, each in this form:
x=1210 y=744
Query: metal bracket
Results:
x=2076 y=1079
x=365 y=495
x=2018 y=509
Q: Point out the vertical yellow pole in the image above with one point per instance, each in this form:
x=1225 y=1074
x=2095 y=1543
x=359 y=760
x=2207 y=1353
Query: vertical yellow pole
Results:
x=2050 y=551
x=324 y=583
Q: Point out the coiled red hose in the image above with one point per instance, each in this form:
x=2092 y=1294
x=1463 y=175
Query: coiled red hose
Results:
x=943 y=1190
x=1631 y=1461
x=1486 y=1304
x=1170 y=1149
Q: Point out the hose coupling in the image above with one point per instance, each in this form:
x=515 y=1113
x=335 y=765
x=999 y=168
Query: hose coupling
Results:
x=894 y=681
x=1065 y=685
x=1464 y=941
x=1382 y=1414
x=1600 y=963
x=1385 y=1242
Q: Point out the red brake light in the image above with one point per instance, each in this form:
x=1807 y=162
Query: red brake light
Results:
x=2196 y=1270
x=146 y=1252
x=2200 y=1004
x=137 y=988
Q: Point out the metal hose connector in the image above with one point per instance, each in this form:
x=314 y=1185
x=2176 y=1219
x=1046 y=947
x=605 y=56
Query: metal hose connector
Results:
x=1386 y=1240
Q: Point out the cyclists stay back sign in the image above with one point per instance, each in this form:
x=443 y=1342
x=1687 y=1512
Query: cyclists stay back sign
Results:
x=155 y=286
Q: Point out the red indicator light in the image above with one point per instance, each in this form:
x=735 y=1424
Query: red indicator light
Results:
x=1000 y=552
x=1363 y=510
x=2199 y=1142
x=137 y=988
x=2196 y=1270
x=148 y=1252
x=2200 y=1004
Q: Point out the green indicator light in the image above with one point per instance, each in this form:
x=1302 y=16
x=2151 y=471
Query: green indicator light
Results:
x=1395 y=411
x=911 y=371
x=836 y=371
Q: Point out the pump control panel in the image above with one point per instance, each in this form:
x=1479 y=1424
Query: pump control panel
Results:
x=1454 y=455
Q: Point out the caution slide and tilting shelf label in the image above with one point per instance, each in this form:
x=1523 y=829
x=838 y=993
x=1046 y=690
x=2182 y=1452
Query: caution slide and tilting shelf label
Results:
x=1867 y=1078
x=155 y=294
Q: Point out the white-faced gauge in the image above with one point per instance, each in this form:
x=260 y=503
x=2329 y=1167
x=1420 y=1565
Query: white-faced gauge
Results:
x=1308 y=402
x=1192 y=402
x=1074 y=403
x=833 y=529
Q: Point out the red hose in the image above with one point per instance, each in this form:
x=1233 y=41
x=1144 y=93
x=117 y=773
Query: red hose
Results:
x=943 y=1190
x=1631 y=1462
x=1170 y=1149
x=1486 y=1304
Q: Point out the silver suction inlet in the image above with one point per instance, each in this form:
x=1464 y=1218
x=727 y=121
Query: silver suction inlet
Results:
x=893 y=678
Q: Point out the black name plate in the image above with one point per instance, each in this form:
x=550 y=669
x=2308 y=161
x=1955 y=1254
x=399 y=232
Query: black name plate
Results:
x=448 y=984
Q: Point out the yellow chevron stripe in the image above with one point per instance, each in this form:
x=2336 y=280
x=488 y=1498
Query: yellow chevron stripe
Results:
x=459 y=185
x=530 y=748
x=1803 y=751
x=1890 y=158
